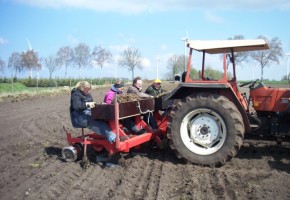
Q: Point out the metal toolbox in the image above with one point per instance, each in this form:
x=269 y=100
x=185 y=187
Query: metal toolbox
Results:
x=162 y=104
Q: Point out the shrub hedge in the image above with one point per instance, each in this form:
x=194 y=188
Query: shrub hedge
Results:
x=33 y=82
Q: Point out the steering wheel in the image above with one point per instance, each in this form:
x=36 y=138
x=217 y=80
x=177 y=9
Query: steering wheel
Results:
x=250 y=83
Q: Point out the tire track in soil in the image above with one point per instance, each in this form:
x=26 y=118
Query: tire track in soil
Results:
x=218 y=185
x=136 y=179
x=26 y=159
x=147 y=180
x=70 y=181
x=248 y=184
x=12 y=172
x=24 y=148
x=87 y=185
x=58 y=178
x=24 y=152
x=104 y=184
x=197 y=183
x=193 y=182
x=150 y=184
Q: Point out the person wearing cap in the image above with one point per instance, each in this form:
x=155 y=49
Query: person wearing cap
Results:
x=117 y=88
x=155 y=88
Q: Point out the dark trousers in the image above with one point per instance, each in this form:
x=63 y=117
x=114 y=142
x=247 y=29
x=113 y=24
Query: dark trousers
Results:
x=150 y=120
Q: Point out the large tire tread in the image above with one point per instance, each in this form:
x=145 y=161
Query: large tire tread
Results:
x=225 y=154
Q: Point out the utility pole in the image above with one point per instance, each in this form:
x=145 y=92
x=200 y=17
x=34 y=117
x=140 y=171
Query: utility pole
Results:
x=185 y=41
x=287 y=75
x=157 y=61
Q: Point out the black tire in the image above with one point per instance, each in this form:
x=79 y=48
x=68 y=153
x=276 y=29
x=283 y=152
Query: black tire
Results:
x=80 y=150
x=206 y=129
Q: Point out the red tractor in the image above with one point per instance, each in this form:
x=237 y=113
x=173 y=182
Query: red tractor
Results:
x=208 y=125
x=209 y=119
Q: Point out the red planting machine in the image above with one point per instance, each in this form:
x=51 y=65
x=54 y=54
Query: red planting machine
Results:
x=209 y=118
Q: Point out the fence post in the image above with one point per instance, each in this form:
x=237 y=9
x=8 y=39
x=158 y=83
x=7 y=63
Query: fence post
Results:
x=12 y=84
x=55 y=83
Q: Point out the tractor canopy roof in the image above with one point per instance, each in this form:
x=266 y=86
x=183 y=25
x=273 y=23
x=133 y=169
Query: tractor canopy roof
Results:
x=226 y=46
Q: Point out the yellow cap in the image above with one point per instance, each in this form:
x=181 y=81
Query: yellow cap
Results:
x=157 y=81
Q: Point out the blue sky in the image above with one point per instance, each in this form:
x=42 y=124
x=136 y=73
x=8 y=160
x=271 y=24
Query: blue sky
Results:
x=153 y=27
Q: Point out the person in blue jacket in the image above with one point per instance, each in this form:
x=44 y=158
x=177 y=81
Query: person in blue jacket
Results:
x=80 y=108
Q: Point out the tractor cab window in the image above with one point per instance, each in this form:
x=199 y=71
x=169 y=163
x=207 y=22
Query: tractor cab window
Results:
x=213 y=67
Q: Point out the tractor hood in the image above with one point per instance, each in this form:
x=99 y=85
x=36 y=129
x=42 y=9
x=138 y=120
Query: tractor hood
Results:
x=225 y=46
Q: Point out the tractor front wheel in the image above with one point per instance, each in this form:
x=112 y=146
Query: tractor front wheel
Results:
x=206 y=129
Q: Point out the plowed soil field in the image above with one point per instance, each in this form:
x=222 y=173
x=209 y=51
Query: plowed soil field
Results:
x=31 y=167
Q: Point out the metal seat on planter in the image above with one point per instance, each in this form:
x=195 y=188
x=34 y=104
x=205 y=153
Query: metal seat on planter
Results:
x=74 y=151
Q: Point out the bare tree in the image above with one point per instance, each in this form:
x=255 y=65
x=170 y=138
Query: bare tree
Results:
x=81 y=54
x=267 y=57
x=51 y=64
x=14 y=62
x=30 y=61
x=64 y=57
x=101 y=56
x=2 y=65
x=176 y=64
x=240 y=56
x=130 y=59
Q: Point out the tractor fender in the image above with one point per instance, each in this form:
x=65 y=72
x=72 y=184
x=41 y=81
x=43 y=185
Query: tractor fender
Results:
x=184 y=90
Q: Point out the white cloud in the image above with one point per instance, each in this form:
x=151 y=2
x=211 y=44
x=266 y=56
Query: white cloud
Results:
x=163 y=47
x=118 y=48
x=3 y=41
x=72 y=39
x=146 y=63
x=213 y=18
x=134 y=7
x=128 y=39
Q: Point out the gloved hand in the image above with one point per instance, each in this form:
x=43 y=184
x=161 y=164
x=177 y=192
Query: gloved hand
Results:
x=90 y=104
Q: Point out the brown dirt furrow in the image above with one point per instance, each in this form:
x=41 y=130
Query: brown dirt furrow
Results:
x=155 y=180
x=105 y=185
x=171 y=181
x=133 y=183
x=197 y=183
x=149 y=184
x=218 y=185
x=70 y=181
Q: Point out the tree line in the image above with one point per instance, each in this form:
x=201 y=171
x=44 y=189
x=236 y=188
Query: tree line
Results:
x=67 y=57
x=81 y=56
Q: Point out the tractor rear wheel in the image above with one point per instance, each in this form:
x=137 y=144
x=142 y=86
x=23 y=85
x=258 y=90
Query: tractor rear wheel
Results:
x=206 y=129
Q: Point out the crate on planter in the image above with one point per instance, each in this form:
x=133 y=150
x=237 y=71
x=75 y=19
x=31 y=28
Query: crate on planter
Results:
x=126 y=109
